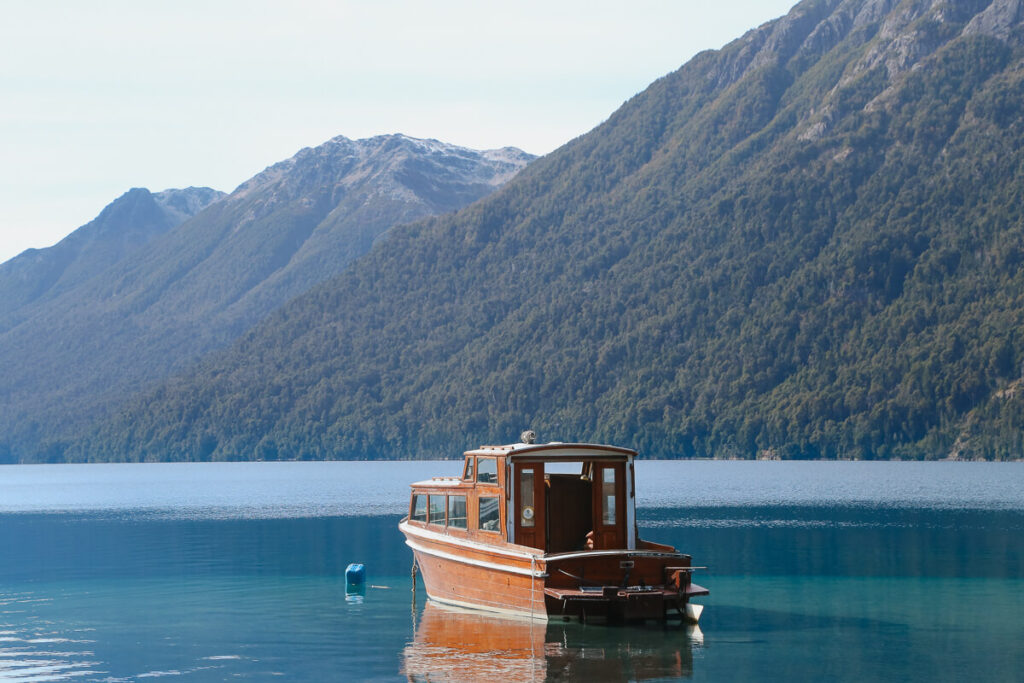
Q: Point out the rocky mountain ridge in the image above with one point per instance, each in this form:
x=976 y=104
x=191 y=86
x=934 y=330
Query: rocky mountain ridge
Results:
x=124 y=226
x=70 y=357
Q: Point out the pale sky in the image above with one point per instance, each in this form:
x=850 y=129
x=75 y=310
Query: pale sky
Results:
x=98 y=97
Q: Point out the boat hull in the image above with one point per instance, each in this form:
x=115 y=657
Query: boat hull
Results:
x=612 y=585
x=499 y=579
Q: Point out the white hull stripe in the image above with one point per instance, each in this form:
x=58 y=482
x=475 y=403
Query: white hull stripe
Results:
x=522 y=614
x=475 y=563
x=429 y=535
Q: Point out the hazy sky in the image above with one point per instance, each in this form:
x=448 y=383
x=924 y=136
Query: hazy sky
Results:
x=98 y=97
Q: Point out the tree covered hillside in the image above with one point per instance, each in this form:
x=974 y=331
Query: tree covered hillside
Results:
x=806 y=244
x=94 y=340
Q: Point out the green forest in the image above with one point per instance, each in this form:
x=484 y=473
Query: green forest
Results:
x=804 y=245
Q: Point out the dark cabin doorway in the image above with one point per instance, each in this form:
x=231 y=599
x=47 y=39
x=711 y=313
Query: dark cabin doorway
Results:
x=569 y=512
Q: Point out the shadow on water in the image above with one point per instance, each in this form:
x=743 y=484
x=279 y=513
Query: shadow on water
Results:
x=451 y=644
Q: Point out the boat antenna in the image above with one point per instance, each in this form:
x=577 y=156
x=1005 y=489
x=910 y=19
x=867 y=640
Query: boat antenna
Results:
x=528 y=437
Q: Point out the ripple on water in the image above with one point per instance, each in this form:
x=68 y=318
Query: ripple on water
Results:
x=32 y=650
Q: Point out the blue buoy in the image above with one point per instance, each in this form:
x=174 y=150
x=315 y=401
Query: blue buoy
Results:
x=355 y=574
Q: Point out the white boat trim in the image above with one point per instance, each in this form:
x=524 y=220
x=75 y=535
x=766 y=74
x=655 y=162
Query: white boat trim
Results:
x=473 y=609
x=536 y=574
x=438 y=482
x=520 y=614
x=429 y=535
x=612 y=553
x=693 y=612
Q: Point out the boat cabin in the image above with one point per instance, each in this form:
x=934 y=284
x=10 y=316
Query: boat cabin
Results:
x=554 y=497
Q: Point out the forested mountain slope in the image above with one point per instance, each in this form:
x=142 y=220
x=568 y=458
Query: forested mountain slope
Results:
x=806 y=244
x=127 y=224
x=73 y=357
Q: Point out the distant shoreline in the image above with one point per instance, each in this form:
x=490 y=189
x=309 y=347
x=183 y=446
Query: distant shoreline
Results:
x=414 y=460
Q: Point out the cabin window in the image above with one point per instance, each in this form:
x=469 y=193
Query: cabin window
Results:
x=419 y=508
x=489 y=514
x=487 y=470
x=608 y=515
x=436 y=510
x=526 y=497
x=457 y=511
x=468 y=474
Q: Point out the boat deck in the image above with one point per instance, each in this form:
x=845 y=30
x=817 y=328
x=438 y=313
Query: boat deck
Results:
x=614 y=603
x=603 y=593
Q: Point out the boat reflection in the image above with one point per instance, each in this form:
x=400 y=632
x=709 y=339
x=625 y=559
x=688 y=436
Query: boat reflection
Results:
x=453 y=644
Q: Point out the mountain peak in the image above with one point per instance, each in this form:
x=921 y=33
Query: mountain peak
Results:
x=122 y=227
x=390 y=160
x=187 y=202
x=200 y=285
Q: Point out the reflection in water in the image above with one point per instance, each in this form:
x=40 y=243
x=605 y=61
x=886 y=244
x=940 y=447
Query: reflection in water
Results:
x=452 y=644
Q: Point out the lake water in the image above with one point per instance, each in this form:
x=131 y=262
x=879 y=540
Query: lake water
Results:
x=211 y=572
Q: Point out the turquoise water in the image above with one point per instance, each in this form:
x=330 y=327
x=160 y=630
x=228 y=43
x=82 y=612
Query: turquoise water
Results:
x=210 y=572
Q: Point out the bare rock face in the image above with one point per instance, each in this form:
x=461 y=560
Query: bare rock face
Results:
x=869 y=12
x=897 y=35
x=1002 y=19
x=900 y=38
x=774 y=43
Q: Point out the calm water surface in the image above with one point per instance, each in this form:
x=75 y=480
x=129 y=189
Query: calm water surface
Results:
x=211 y=572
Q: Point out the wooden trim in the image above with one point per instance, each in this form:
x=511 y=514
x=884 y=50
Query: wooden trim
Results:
x=534 y=535
x=610 y=536
x=531 y=459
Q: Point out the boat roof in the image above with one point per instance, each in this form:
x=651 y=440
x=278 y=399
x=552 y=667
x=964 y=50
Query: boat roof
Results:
x=556 y=450
x=440 y=482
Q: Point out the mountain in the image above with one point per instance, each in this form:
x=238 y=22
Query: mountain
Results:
x=806 y=244
x=124 y=226
x=72 y=356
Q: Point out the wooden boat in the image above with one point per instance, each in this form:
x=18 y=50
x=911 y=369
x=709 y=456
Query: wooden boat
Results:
x=545 y=530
